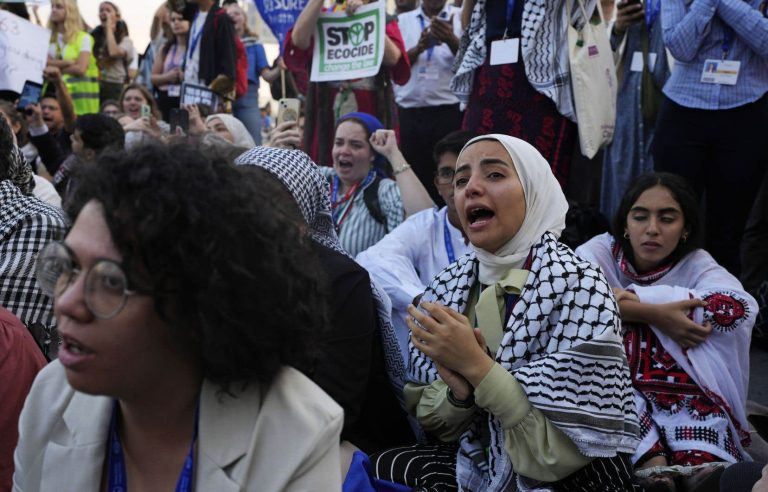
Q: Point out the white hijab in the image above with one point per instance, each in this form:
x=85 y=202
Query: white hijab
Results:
x=545 y=208
x=236 y=128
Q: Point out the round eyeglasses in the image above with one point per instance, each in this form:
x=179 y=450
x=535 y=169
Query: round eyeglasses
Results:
x=445 y=175
x=106 y=285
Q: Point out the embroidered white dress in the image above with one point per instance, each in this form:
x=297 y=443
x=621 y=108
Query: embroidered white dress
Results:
x=691 y=402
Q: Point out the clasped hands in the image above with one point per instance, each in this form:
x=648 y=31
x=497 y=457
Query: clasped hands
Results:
x=458 y=351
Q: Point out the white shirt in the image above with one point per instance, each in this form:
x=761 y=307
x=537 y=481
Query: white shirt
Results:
x=430 y=74
x=56 y=49
x=408 y=258
x=192 y=68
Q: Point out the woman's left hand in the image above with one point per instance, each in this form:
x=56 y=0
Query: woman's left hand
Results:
x=446 y=337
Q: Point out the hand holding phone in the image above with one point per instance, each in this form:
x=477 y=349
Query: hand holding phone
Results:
x=30 y=94
x=628 y=12
x=146 y=111
x=288 y=110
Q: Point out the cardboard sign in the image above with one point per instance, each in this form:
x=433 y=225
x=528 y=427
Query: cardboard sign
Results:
x=23 y=51
x=349 y=46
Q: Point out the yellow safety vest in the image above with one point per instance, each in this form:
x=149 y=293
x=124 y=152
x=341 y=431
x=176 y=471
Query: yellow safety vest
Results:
x=83 y=90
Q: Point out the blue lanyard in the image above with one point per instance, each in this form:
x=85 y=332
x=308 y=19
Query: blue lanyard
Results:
x=510 y=15
x=116 y=478
x=652 y=11
x=727 y=38
x=195 y=39
x=423 y=26
x=447 y=238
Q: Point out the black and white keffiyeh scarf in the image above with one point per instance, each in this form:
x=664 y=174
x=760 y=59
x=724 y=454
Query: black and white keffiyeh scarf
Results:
x=544 y=48
x=563 y=344
x=310 y=189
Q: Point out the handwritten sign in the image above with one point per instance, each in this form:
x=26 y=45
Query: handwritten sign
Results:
x=280 y=15
x=23 y=51
x=349 y=46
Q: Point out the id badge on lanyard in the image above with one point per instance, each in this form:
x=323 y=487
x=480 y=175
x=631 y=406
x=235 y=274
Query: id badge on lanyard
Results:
x=723 y=72
x=504 y=51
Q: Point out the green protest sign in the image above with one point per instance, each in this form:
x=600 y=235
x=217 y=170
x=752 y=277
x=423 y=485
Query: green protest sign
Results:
x=349 y=46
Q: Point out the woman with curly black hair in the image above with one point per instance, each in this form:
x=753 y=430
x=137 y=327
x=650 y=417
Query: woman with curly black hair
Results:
x=183 y=303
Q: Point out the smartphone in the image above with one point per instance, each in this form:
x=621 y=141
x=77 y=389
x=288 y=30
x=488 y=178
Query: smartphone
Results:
x=179 y=119
x=30 y=94
x=288 y=110
x=146 y=111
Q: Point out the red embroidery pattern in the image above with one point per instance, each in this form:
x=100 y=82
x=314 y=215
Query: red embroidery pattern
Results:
x=724 y=310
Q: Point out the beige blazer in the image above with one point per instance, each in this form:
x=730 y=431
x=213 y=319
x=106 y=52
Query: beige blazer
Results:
x=282 y=439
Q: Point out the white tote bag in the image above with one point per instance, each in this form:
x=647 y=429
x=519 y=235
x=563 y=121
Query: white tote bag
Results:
x=593 y=78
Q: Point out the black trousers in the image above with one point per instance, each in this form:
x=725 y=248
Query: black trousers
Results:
x=420 y=130
x=723 y=154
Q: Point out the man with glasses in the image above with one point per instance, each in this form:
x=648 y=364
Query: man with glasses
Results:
x=406 y=259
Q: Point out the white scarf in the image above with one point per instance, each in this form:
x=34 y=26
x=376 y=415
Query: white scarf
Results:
x=239 y=132
x=545 y=208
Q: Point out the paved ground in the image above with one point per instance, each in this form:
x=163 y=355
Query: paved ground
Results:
x=758 y=376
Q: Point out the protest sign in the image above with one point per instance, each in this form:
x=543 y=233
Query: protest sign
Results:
x=280 y=15
x=23 y=51
x=199 y=94
x=349 y=46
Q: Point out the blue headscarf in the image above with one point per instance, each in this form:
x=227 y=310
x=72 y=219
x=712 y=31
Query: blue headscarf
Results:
x=371 y=124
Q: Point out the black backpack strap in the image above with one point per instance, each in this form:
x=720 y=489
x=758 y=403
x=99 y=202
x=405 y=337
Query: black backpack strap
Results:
x=371 y=199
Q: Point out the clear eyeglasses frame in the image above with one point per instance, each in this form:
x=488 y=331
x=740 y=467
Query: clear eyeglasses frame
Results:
x=105 y=288
x=445 y=175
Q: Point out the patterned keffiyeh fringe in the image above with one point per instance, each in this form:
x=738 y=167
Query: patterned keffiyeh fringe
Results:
x=563 y=344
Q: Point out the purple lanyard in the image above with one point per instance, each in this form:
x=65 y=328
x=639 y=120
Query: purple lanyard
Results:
x=116 y=478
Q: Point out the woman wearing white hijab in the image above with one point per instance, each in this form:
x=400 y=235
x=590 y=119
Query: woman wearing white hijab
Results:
x=517 y=363
x=230 y=129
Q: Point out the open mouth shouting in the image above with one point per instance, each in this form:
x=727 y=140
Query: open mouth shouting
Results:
x=478 y=217
x=345 y=164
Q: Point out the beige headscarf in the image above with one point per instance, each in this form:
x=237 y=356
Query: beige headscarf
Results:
x=545 y=208
x=236 y=128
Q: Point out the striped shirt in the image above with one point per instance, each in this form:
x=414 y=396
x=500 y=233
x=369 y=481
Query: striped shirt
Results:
x=359 y=231
x=695 y=32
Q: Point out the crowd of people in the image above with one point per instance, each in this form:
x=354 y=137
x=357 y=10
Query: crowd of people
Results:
x=413 y=285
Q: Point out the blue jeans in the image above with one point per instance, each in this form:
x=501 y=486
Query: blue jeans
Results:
x=247 y=110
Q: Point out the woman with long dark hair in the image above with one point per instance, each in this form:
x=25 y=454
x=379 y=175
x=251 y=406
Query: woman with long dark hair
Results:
x=687 y=325
x=167 y=75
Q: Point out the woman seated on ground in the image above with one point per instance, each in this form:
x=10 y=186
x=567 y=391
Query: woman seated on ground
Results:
x=132 y=102
x=362 y=369
x=163 y=379
x=220 y=130
x=687 y=328
x=502 y=341
x=366 y=204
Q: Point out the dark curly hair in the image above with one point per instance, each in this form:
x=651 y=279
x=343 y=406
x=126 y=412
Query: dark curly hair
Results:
x=227 y=275
x=682 y=193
